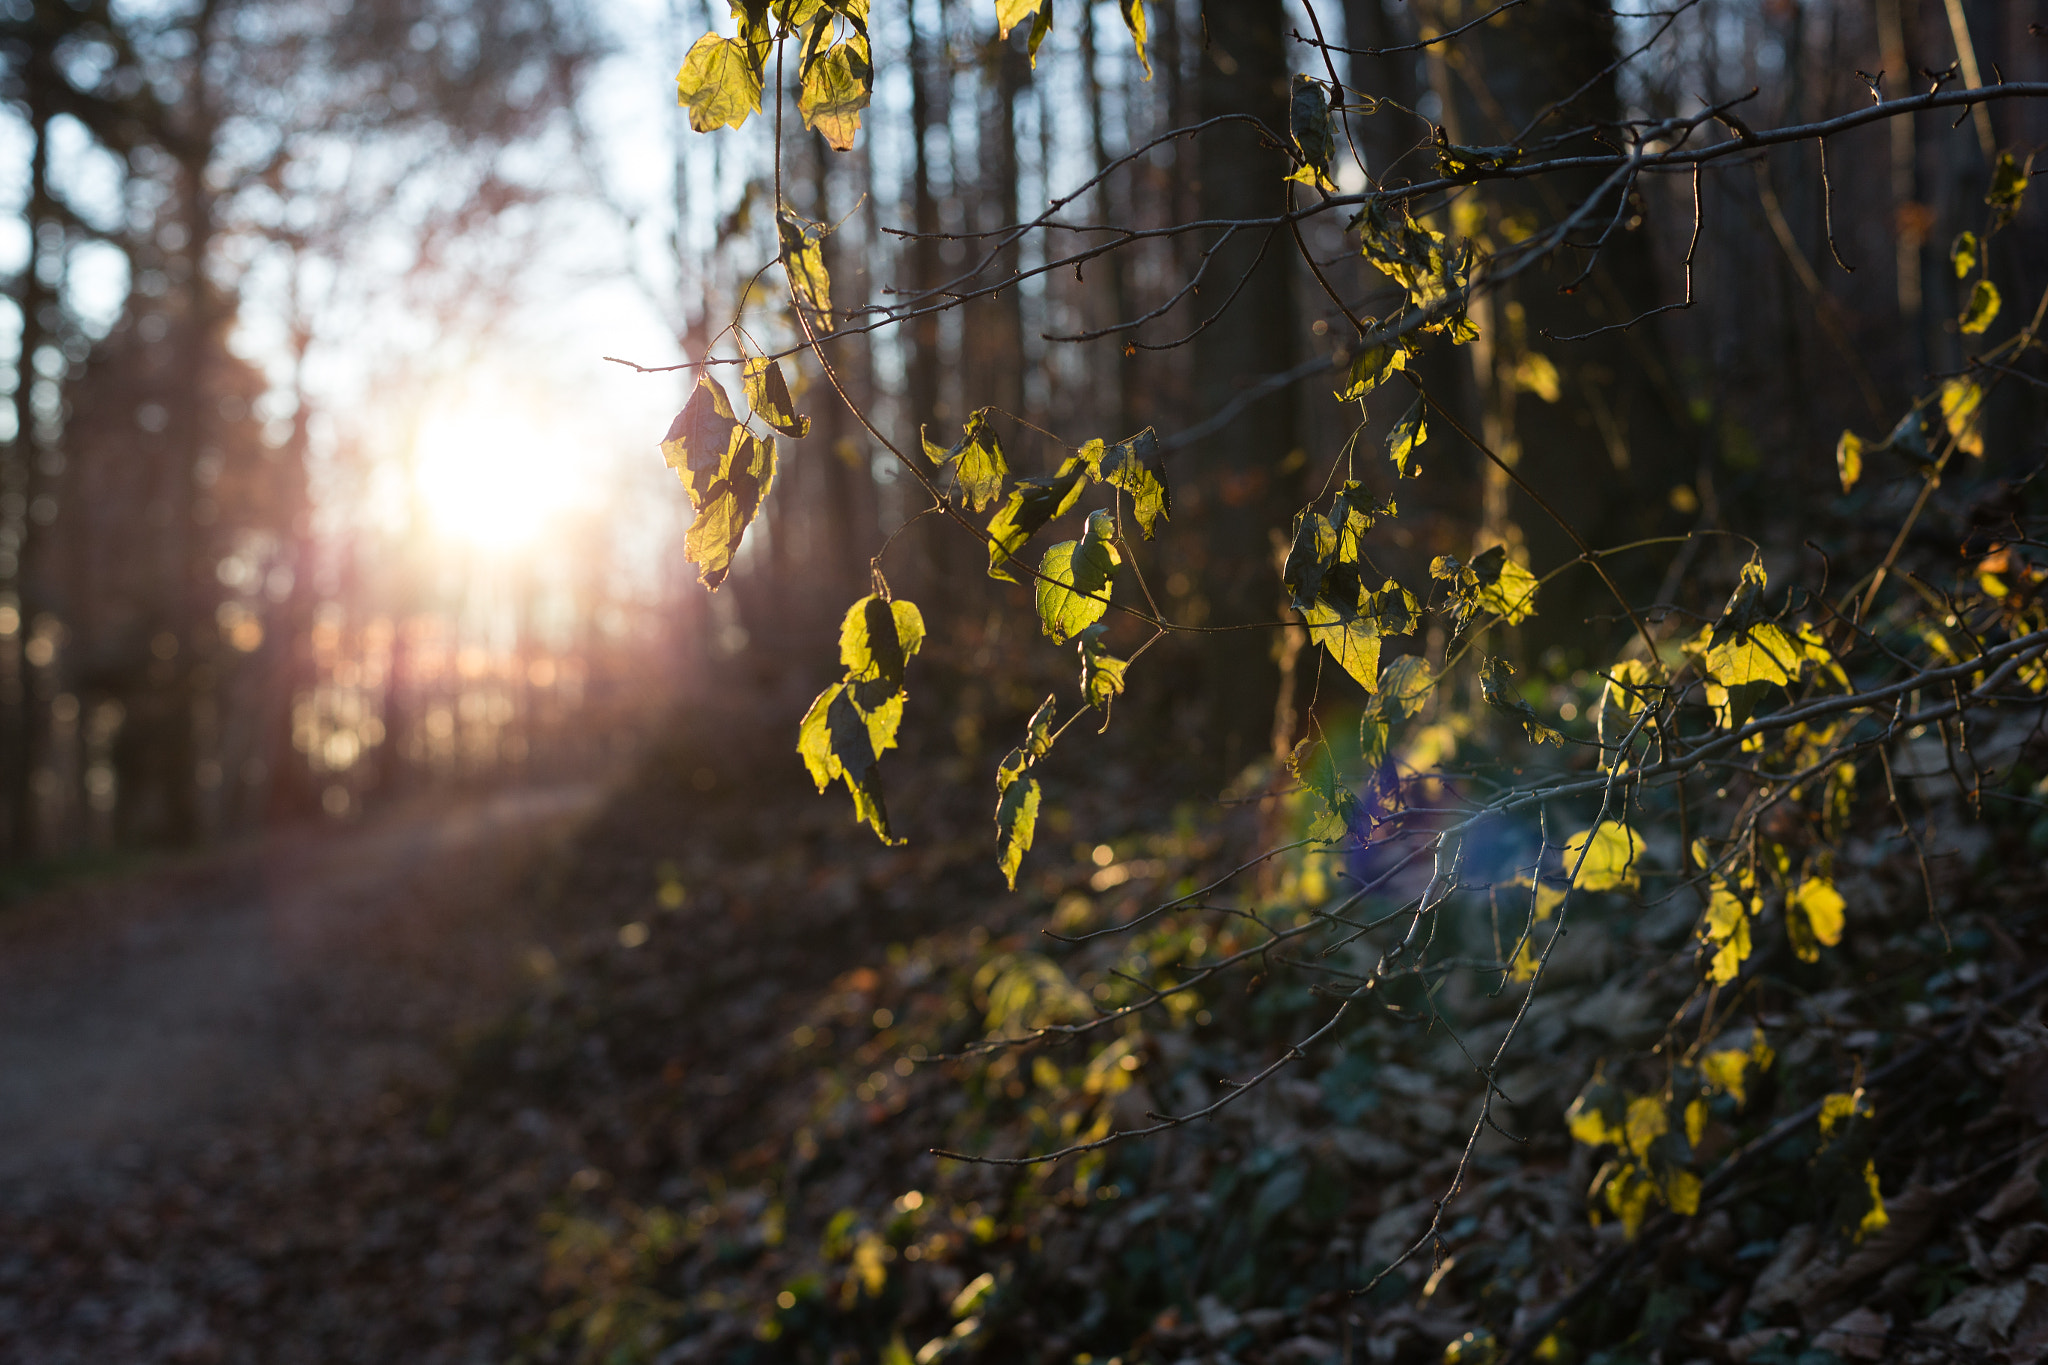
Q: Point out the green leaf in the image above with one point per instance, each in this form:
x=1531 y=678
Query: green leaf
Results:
x=734 y=497
x=1353 y=512
x=1038 y=734
x=1016 y=814
x=2008 y=183
x=1405 y=685
x=768 y=395
x=1492 y=582
x=1352 y=639
x=1371 y=368
x=1032 y=503
x=840 y=741
x=1138 y=467
x=1308 y=560
x=1308 y=123
x=1010 y=13
x=719 y=82
x=1982 y=309
x=1498 y=690
x=1849 y=459
x=1341 y=815
x=1512 y=593
x=803 y=260
x=836 y=87
x=1632 y=686
x=1073 y=587
x=1102 y=674
x=700 y=437
x=1133 y=12
x=877 y=638
x=1613 y=855
x=1408 y=435
x=977 y=461
x=1963 y=253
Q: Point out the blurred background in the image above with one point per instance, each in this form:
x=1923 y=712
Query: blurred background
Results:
x=316 y=487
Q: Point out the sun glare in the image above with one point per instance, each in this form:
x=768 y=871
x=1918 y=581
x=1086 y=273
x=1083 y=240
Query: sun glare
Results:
x=494 y=472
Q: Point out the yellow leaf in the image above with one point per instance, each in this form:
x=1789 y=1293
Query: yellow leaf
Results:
x=1962 y=401
x=1981 y=310
x=1612 y=853
x=1839 y=1108
x=719 y=83
x=836 y=87
x=1763 y=653
x=1814 y=917
x=1536 y=374
x=1646 y=1122
x=1629 y=1192
x=1512 y=596
x=1727 y=1071
x=1682 y=1192
x=1695 y=1122
x=1589 y=1125
x=1876 y=1218
x=1727 y=930
x=1849 y=459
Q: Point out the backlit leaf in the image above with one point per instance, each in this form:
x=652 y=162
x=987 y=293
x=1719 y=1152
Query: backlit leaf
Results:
x=1102 y=674
x=1405 y=685
x=1032 y=503
x=768 y=395
x=877 y=638
x=1631 y=687
x=1612 y=857
x=840 y=741
x=1133 y=12
x=1352 y=639
x=803 y=260
x=1512 y=593
x=2008 y=183
x=1761 y=654
x=836 y=87
x=1498 y=690
x=1016 y=816
x=1308 y=123
x=1981 y=310
x=699 y=438
x=1407 y=436
x=719 y=83
x=1074 y=582
x=1010 y=13
x=1138 y=467
x=728 y=506
x=977 y=461
x=1038 y=734
x=1372 y=367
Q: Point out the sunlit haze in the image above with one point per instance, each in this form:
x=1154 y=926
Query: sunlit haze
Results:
x=495 y=471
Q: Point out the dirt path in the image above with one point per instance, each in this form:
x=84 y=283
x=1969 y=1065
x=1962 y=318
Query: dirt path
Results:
x=139 y=1015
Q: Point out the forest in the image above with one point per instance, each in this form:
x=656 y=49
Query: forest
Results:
x=1075 y=681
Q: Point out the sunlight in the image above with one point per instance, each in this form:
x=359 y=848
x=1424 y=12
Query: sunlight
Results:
x=494 y=471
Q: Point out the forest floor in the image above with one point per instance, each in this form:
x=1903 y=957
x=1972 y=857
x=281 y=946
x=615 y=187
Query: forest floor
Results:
x=652 y=1074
